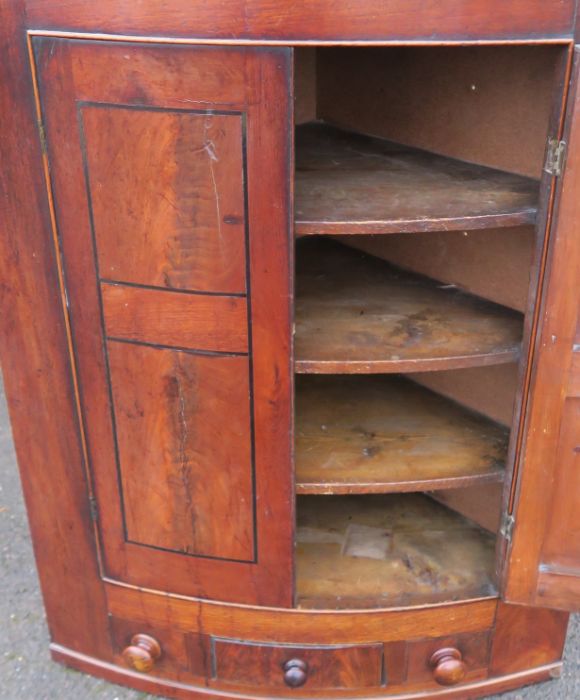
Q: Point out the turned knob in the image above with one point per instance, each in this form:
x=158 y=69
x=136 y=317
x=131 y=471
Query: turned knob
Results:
x=295 y=673
x=448 y=666
x=142 y=653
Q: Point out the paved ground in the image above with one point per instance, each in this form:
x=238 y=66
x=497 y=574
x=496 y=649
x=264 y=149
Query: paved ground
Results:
x=26 y=672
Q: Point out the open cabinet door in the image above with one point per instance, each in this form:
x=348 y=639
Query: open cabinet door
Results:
x=543 y=557
x=170 y=176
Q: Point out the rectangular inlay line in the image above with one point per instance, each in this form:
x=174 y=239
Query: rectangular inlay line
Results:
x=217 y=324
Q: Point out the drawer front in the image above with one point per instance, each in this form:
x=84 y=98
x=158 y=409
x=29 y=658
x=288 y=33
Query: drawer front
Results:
x=246 y=663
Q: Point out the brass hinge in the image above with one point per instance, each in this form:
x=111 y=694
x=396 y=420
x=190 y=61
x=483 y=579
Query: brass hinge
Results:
x=42 y=133
x=555 y=154
x=93 y=508
x=507 y=526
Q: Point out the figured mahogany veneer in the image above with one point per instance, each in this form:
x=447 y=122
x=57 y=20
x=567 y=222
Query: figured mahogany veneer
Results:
x=386 y=434
x=355 y=184
x=357 y=314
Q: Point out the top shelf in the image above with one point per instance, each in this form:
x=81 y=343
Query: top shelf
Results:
x=348 y=183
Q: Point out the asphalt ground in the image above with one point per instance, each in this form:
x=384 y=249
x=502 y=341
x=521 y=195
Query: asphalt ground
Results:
x=26 y=671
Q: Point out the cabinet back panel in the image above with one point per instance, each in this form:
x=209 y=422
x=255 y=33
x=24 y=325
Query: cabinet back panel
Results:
x=488 y=105
x=493 y=264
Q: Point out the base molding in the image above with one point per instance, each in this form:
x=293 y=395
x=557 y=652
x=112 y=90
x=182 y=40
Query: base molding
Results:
x=173 y=689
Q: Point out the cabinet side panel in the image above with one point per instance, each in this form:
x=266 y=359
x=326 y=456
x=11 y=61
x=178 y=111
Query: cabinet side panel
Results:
x=526 y=637
x=36 y=368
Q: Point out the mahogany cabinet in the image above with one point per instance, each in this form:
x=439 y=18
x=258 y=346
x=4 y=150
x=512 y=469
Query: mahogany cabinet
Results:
x=290 y=335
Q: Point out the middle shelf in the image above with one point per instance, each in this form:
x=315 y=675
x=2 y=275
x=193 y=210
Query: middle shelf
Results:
x=358 y=314
x=385 y=434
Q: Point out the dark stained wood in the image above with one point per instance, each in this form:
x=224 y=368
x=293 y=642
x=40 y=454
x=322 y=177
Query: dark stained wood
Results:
x=168 y=197
x=386 y=434
x=448 y=666
x=386 y=551
x=182 y=466
x=36 y=366
x=356 y=314
x=473 y=650
x=300 y=625
x=356 y=184
x=142 y=653
x=317 y=20
x=542 y=561
x=198 y=321
x=526 y=638
x=165 y=78
x=182 y=691
x=330 y=667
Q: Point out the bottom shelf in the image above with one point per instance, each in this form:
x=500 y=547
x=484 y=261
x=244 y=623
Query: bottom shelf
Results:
x=388 y=551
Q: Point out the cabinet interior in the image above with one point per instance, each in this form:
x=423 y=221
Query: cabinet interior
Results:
x=417 y=193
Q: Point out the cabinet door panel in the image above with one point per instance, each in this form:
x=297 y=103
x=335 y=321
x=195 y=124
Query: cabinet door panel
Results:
x=182 y=466
x=544 y=557
x=167 y=196
x=177 y=267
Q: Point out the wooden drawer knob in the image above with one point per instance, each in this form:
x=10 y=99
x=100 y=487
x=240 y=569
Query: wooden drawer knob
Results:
x=448 y=666
x=295 y=673
x=142 y=654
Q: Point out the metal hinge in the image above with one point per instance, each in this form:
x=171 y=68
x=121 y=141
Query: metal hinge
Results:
x=93 y=508
x=507 y=526
x=42 y=132
x=555 y=155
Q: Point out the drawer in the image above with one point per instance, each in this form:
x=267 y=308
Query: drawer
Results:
x=311 y=667
x=448 y=660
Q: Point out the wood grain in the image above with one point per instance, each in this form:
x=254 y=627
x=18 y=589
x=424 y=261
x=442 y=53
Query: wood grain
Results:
x=526 y=638
x=356 y=184
x=36 y=366
x=195 y=321
x=258 y=665
x=386 y=434
x=182 y=466
x=317 y=20
x=357 y=314
x=379 y=551
x=542 y=560
x=165 y=78
x=167 y=193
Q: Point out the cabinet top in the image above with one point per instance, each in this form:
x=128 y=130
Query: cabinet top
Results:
x=315 y=21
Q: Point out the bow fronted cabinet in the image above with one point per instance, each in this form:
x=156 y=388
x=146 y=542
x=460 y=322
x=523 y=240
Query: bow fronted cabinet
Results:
x=290 y=334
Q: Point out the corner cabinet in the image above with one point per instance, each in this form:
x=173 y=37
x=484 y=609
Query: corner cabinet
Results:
x=291 y=340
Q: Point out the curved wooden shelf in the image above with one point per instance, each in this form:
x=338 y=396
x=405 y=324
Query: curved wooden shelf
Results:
x=355 y=184
x=358 y=314
x=386 y=435
x=385 y=551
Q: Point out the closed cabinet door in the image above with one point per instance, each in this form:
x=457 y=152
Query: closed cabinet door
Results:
x=170 y=175
x=543 y=566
